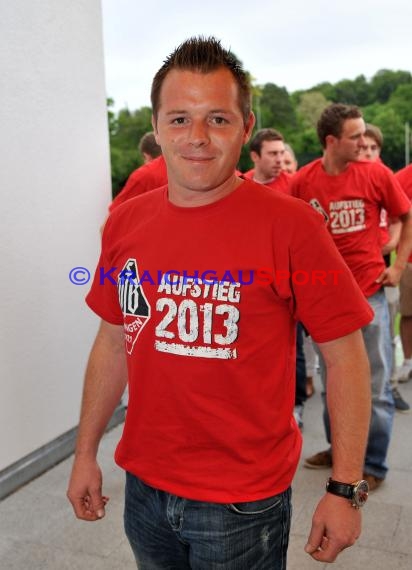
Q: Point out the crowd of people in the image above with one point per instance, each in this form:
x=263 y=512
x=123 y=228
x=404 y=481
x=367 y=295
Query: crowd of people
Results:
x=274 y=164
x=218 y=372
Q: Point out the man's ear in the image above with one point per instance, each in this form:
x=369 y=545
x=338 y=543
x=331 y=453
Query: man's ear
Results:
x=155 y=131
x=249 y=127
x=330 y=140
x=254 y=156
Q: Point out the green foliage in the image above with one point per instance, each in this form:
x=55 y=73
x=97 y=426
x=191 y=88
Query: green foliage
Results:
x=352 y=92
x=125 y=131
x=306 y=145
x=393 y=143
x=401 y=102
x=385 y=82
x=310 y=107
x=277 y=110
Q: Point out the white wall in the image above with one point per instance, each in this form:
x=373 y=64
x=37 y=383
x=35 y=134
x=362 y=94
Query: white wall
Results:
x=55 y=187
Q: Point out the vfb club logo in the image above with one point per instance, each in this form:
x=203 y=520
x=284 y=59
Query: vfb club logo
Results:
x=135 y=308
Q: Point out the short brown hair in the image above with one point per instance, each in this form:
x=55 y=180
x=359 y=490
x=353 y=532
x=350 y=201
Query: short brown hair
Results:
x=264 y=135
x=203 y=55
x=148 y=145
x=332 y=119
x=374 y=132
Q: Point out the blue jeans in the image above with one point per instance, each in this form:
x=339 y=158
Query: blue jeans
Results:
x=378 y=344
x=171 y=533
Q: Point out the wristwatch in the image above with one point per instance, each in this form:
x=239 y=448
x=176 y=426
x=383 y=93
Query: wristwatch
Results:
x=357 y=492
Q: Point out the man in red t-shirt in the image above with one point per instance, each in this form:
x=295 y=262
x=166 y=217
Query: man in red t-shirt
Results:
x=390 y=234
x=151 y=175
x=404 y=373
x=351 y=194
x=199 y=288
x=267 y=149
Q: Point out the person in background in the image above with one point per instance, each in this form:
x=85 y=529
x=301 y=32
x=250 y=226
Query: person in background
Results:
x=267 y=149
x=350 y=194
x=290 y=163
x=149 y=148
x=151 y=175
x=390 y=232
x=404 y=373
x=372 y=144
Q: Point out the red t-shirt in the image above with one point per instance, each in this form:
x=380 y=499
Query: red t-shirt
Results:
x=351 y=203
x=404 y=178
x=151 y=175
x=211 y=358
x=280 y=183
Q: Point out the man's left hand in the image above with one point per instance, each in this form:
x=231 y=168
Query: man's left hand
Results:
x=390 y=277
x=336 y=525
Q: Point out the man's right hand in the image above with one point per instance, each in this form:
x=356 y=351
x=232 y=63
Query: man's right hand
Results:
x=85 y=490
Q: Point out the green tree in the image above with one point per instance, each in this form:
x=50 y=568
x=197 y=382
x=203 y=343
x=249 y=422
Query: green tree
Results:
x=310 y=107
x=327 y=90
x=385 y=82
x=353 y=91
x=276 y=109
x=401 y=102
x=126 y=129
x=393 y=137
x=306 y=145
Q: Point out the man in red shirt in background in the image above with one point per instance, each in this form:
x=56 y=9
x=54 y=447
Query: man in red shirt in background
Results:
x=350 y=194
x=404 y=373
x=151 y=175
x=390 y=231
x=267 y=149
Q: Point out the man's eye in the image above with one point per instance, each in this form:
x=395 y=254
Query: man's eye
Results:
x=219 y=120
x=179 y=121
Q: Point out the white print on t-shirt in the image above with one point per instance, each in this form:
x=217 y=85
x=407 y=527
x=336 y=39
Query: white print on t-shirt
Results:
x=347 y=216
x=186 y=321
x=383 y=219
x=318 y=207
x=133 y=302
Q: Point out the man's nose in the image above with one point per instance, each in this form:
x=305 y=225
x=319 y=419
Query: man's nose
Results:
x=199 y=134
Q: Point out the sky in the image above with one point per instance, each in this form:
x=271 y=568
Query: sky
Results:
x=294 y=44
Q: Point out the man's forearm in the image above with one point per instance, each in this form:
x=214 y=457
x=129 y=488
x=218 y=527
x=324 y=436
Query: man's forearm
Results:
x=405 y=242
x=349 y=403
x=105 y=380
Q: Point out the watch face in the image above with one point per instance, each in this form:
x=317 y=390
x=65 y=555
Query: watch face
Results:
x=360 y=494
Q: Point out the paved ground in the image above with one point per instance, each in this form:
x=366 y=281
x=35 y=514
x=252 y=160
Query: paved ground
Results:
x=38 y=530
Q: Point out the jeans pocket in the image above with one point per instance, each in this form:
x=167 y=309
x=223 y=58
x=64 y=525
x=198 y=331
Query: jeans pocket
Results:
x=256 y=507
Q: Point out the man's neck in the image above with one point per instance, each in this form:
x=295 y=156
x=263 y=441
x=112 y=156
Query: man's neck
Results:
x=333 y=166
x=259 y=177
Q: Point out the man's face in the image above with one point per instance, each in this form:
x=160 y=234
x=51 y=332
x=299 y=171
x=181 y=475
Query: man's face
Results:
x=348 y=146
x=270 y=162
x=289 y=163
x=201 y=131
x=370 y=150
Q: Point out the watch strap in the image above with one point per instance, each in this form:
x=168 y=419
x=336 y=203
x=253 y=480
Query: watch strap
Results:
x=340 y=489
